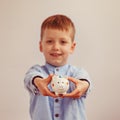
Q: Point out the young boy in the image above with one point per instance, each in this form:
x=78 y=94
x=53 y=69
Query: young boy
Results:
x=57 y=42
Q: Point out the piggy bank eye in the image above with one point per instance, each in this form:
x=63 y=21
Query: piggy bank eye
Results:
x=67 y=83
x=58 y=82
x=53 y=85
x=62 y=82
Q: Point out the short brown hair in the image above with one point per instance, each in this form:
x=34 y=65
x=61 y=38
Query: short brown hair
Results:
x=60 y=22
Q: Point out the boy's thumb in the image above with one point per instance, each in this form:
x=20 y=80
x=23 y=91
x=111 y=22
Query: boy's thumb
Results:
x=49 y=78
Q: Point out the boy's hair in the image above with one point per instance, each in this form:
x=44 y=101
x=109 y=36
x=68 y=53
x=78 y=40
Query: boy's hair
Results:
x=60 y=22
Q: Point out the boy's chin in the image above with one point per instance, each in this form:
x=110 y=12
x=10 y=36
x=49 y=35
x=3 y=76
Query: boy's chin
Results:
x=57 y=64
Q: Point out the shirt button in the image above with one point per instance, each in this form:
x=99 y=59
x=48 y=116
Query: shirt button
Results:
x=57 y=69
x=56 y=115
x=56 y=100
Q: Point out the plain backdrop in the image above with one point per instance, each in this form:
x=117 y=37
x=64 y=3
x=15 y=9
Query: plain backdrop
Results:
x=98 y=51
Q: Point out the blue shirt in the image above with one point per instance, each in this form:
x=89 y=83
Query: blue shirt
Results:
x=48 y=108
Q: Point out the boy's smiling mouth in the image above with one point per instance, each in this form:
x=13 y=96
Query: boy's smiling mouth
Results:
x=55 y=54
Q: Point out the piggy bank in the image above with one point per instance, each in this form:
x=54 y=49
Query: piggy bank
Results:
x=59 y=84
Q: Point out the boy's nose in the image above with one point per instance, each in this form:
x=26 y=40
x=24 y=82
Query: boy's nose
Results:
x=56 y=46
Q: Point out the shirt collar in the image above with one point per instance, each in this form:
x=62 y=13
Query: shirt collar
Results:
x=55 y=70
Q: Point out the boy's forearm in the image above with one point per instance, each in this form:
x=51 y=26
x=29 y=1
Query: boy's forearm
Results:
x=29 y=78
x=85 y=80
x=85 y=85
x=36 y=81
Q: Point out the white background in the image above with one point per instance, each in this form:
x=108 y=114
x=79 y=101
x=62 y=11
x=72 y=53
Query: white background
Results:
x=98 y=51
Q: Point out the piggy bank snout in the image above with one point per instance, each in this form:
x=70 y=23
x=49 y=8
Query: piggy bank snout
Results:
x=62 y=85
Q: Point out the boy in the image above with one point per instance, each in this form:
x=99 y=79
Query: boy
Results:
x=57 y=42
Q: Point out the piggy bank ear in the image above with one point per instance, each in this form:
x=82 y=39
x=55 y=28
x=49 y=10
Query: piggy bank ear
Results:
x=67 y=83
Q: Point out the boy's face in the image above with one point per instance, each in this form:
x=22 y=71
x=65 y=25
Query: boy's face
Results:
x=56 y=46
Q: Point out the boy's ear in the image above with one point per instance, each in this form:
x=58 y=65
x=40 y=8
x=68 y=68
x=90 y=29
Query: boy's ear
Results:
x=40 y=46
x=73 y=47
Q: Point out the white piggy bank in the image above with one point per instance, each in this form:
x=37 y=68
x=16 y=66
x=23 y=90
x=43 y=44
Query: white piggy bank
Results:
x=59 y=84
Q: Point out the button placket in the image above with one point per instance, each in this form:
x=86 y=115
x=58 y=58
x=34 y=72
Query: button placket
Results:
x=56 y=100
x=56 y=115
x=56 y=71
x=57 y=110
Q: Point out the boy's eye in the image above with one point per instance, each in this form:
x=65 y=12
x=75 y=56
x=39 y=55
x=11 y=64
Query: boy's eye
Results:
x=63 y=42
x=49 y=41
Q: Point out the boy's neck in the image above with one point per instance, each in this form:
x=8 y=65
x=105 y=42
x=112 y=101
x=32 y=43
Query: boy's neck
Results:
x=55 y=66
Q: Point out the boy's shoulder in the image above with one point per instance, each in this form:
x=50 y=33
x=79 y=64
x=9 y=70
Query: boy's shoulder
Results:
x=75 y=68
x=79 y=72
x=37 y=67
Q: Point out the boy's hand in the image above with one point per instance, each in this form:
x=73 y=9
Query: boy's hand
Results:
x=42 y=85
x=81 y=88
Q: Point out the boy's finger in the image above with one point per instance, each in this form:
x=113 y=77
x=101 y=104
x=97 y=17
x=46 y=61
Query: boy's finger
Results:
x=72 y=94
x=49 y=93
x=49 y=78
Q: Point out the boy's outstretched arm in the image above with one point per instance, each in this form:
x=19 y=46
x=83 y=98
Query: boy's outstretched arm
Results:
x=81 y=88
x=42 y=85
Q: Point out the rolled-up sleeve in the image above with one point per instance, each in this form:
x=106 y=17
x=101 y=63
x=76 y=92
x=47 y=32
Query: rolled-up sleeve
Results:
x=83 y=74
x=29 y=76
